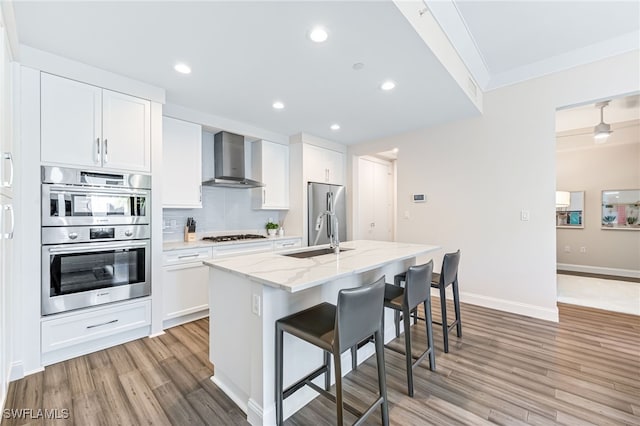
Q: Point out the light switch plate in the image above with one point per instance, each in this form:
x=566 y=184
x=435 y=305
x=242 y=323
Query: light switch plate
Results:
x=255 y=304
x=524 y=215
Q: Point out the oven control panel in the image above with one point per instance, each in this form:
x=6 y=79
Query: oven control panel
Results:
x=84 y=234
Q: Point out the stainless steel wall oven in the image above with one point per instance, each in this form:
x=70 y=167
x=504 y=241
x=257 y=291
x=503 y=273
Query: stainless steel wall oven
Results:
x=95 y=238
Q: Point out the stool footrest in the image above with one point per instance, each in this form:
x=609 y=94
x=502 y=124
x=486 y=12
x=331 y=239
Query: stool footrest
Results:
x=418 y=359
x=449 y=326
x=304 y=381
x=350 y=408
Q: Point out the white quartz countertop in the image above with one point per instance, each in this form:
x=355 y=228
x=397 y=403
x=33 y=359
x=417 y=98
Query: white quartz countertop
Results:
x=294 y=274
x=181 y=245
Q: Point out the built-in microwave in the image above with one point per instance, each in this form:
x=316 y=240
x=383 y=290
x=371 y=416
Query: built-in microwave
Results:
x=72 y=197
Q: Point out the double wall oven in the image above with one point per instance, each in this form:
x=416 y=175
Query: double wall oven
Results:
x=95 y=238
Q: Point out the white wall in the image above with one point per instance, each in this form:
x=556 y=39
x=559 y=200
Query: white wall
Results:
x=480 y=173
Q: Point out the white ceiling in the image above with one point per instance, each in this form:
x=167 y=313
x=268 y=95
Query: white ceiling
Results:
x=245 y=55
x=504 y=42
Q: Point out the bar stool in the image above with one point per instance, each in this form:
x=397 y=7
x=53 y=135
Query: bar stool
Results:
x=416 y=291
x=448 y=276
x=334 y=329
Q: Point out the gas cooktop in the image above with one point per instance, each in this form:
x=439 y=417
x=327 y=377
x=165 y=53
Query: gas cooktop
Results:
x=224 y=238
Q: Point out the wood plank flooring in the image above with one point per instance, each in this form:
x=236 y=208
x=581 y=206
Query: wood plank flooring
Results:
x=506 y=369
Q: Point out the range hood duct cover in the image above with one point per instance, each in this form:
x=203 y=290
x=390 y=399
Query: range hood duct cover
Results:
x=228 y=150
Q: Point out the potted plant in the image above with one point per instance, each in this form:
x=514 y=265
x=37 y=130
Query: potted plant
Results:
x=272 y=228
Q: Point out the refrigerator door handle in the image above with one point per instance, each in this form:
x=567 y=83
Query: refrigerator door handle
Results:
x=328 y=217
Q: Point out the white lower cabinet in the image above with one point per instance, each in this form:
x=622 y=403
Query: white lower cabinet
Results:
x=76 y=333
x=185 y=285
x=185 y=292
x=185 y=279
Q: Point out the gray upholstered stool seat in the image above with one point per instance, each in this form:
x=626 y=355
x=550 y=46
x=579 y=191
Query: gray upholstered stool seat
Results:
x=335 y=329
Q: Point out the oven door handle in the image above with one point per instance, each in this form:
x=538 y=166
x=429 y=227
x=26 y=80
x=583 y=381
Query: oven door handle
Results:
x=88 y=248
x=96 y=191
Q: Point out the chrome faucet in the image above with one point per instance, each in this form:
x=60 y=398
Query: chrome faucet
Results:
x=334 y=238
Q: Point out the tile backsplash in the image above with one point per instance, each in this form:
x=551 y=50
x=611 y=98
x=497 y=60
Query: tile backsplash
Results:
x=224 y=210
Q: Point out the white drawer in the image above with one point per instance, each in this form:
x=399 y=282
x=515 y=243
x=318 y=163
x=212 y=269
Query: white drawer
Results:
x=73 y=329
x=243 y=248
x=187 y=255
x=287 y=244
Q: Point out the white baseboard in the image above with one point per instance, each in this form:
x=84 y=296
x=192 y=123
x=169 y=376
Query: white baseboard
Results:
x=549 y=314
x=630 y=273
x=229 y=390
x=160 y=333
x=17 y=371
x=183 y=319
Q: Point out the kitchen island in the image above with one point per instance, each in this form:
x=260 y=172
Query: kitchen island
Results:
x=247 y=294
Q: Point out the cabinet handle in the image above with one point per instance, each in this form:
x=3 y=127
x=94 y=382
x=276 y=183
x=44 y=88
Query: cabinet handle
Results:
x=187 y=256
x=8 y=235
x=264 y=196
x=8 y=156
x=326 y=175
x=106 y=151
x=103 y=323
x=288 y=244
x=97 y=151
x=200 y=194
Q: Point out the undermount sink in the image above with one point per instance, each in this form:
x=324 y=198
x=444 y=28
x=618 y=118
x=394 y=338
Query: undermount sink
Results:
x=313 y=253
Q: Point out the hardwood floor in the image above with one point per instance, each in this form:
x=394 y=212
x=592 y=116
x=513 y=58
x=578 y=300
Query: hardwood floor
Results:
x=506 y=369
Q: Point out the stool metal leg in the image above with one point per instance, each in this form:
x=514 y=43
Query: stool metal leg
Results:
x=354 y=357
x=338 y=373
x=456 y=304
x=429 y=327
x=327 y=375
x=397 y=281
x=382 y=382
x=406 y=317
x=443 y=309
x=279 y=374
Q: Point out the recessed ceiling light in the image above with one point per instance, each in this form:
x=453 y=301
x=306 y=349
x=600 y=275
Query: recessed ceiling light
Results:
x=388 y=85
x=358 y=66
x=335 y=126
x=278 y=105
x=394 y=150
x=182 y=68
x=318 y=35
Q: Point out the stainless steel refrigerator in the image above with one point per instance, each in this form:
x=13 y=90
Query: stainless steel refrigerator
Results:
x=323 y=197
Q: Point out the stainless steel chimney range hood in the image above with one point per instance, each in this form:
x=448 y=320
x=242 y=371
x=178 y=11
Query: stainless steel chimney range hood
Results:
x=228 y=150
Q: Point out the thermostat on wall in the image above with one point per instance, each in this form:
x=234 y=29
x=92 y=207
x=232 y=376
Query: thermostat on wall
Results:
x=419 y=198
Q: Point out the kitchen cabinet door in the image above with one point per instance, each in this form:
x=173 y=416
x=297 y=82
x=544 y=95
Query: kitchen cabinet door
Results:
x=181 y=164
x=71 y=122
x=323 y=165
x=185 y=290
x=126 y=132
x=271 y=167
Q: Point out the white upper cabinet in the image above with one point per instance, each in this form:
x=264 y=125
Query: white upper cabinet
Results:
x=84 y=125
x=270 y=165
x=126 y=129
x=181 y=164
x=323 y=165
